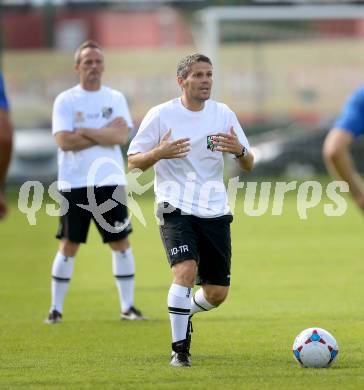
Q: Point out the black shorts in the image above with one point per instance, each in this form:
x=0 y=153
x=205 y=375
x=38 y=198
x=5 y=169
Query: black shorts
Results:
x=113 y=225
x=206 y=240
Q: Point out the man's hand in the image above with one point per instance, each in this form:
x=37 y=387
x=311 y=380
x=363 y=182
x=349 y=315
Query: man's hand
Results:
x=230 y=143
x=164 y=150
x=172 y=149
x=122 y=135
x=227 y=142
x=118 y=122
x=3 y=207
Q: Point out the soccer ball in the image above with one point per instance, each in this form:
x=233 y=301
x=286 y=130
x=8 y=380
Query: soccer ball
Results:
x=315 y=347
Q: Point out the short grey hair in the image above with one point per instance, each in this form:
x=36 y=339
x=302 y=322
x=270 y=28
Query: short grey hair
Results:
x=87 y=44
x=185 y=65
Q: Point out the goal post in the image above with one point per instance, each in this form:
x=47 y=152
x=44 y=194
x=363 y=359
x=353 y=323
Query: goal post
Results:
x=271 y=57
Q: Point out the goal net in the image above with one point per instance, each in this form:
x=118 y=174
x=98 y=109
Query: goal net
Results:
x=297 y=62
x=285 y=68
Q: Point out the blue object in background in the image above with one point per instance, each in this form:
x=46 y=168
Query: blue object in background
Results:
x=4 y=105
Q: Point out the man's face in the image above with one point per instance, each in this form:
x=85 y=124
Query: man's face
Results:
x=197 y=85
x=90 y=67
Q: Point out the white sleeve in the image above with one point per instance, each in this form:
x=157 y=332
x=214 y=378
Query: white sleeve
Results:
x=62 y=116
x=123 y=110
x=148 y=135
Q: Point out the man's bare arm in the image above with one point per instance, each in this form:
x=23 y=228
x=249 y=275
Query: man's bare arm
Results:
x=142 y=161
x=246 y=163
x=337 y=156
x=115 y=133
x=6 y=137
x=6 y=141
x=72 y=141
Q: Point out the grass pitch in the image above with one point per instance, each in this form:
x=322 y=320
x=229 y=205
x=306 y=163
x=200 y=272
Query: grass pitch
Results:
x=288 y=274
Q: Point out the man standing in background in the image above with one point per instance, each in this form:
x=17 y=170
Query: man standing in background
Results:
x=6 y=136
x=90 y=121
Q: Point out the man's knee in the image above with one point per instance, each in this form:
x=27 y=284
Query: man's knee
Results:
x=69 y=248
x=120 y=245
x=185 y=273
x=215 y=295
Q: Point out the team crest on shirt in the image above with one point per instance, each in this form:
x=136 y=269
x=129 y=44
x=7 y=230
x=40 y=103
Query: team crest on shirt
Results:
x=106 y=112
x=210 y=143
x=79 y=116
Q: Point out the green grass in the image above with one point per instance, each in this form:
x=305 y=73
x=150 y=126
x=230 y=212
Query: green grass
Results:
x=288 y=274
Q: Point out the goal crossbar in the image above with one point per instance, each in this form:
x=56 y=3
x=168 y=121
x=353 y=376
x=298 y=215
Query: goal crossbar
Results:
x=209 y=20
x=270 y=13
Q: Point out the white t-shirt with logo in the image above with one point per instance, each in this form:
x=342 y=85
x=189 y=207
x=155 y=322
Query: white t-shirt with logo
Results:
x=194 y=183
x=98 y=165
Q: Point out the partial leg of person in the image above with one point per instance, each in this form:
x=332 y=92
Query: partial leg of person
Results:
x=123 y=267
x=179 y=306
x=208 y=297
x=116 y=235
x=62 y=271
x=179 y=240
x=214 y=266
x=73 y=229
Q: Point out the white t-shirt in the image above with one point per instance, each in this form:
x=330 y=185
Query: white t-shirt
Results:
x=193 y=184
x=97 y=165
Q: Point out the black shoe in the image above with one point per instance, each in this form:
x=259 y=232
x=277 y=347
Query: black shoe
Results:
x=180 y=355
x=133 y=314
x=54 y=317
x=180 y=359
